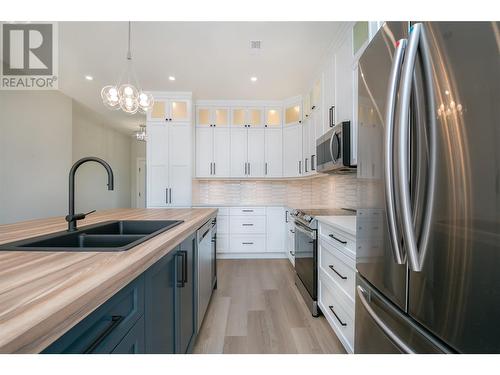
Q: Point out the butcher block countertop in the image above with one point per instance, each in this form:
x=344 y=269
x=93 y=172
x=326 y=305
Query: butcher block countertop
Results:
x=44 y=294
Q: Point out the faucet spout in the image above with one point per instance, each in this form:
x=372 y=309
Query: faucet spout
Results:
x=72 y=218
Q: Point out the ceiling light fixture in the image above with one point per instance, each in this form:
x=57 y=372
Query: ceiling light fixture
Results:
x=171 y=78
x=125 y=95
x=253 y=79
x=89 y=78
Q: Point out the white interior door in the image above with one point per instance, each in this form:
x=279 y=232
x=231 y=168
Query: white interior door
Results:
x=204 y=151
x=140 y=197
x=238 y=152
x=274 y=152
x=222 y=152
x=256 y=152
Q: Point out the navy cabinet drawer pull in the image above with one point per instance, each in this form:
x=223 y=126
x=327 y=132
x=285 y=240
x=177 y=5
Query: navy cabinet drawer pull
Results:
x=114 y=322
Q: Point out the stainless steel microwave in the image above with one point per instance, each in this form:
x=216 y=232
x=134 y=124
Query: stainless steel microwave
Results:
x=333 y=150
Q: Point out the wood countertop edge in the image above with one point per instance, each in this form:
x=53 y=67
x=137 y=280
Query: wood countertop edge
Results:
x=34 y=330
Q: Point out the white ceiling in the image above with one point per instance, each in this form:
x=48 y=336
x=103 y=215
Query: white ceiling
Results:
x=211 y=59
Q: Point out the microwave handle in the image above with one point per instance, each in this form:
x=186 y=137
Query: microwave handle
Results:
x=331 y=147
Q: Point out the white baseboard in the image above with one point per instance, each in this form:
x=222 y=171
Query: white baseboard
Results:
x=251 y=255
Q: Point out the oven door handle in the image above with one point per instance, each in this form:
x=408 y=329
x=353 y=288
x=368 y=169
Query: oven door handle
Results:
x=308 y=232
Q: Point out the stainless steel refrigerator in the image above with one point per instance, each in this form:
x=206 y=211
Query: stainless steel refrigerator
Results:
x=428 y=256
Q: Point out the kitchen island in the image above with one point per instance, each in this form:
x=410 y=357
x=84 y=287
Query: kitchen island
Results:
x=44 y=294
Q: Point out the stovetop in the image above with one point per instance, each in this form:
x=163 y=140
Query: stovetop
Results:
x=307 y=216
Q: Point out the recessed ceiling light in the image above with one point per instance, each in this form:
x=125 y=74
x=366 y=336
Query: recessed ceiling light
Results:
x=89 y=78
x=253 y=79
x=171 y=78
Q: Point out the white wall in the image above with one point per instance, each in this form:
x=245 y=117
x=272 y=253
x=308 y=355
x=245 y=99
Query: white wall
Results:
x=92 y=138
x=35 y=154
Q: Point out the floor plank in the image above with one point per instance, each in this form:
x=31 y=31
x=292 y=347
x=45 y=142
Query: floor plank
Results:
x=258 y=309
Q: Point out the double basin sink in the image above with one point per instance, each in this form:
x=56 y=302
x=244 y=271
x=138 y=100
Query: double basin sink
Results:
x=108 y=236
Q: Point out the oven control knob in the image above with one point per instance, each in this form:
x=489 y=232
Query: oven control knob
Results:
x=308 y=218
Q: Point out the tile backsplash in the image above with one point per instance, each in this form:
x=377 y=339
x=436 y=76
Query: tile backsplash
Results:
x=333 y=191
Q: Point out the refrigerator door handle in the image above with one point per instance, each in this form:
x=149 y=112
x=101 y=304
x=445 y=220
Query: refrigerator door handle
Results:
x=399 y=256
x=417 y=40
x=404 y=123
x=390 y=334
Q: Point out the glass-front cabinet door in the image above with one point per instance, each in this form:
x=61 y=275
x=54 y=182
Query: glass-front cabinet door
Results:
x=273 y=117
x=238 y=117
x=255 y=117
x=221 y=117
x=159 y=110
x=293 y=114
x=179 y=110
x=203 y=117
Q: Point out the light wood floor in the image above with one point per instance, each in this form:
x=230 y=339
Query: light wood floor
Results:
x=258 y=309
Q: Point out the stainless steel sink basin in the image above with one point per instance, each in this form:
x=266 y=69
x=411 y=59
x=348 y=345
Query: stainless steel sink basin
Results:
x=108 y=236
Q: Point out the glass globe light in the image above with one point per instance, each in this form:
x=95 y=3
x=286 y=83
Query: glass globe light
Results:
x=129 y=105
x=128 y=91
x=109 y=95
x=145 y=101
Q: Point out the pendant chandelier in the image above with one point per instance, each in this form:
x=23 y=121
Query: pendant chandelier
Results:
x=140 y=134
x=126 y=94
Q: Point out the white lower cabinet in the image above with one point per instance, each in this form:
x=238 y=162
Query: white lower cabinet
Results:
x=337 y=281
x=251 y=232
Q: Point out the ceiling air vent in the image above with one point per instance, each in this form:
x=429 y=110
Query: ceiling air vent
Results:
x=255 y=44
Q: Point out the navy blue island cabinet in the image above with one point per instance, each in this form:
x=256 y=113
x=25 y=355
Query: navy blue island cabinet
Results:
x=155 y=313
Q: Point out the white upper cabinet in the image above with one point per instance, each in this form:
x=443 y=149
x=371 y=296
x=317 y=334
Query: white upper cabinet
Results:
x=222 y=152
x=256 y=153
x=170 y=110
x=242 y=117
x=212 y=152
x=274 y=152
x=344 y=81
x=292 y=151
x=328 y=108
x=239 y=155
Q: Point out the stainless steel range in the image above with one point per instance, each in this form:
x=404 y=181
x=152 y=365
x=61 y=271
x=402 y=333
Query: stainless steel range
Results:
x=306 y=251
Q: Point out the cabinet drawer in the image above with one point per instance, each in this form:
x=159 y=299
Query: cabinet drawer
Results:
x=339 y=267
x=248 y=244
x=247 y=211
x=248 y=224
x=223 y=224
x=101 y=331
x=339 y=239
x=338 y=310
x=133 y=342
x=222 y=243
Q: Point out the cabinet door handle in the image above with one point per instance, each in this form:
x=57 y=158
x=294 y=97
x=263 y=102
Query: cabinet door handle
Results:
x=313 y=157
x=340 y=321
x=313 y=107
x=334 y=270
x=292 y=231
x=305 y=165
x=249 y=169
x=214 y=169
x=245 y=168
x=247 y=210
x=170 y=191
x=336 y=239
x=300 y=166
x=183 y=257
x=247 y=243
x=292 y=253
x=286 y=216
x=166 y=195
x=114 y=322
x=266 y=167
x=247 y=225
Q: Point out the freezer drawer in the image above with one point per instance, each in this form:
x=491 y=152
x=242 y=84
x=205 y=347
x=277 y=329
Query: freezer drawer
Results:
x=381 y=328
